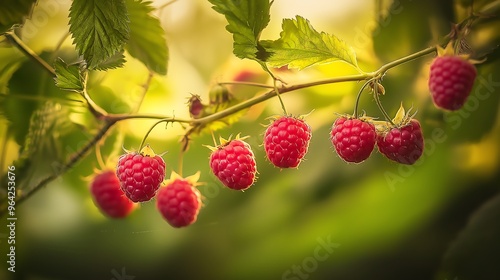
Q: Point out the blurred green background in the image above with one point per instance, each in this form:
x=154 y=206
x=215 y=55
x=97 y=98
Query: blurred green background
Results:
x=438 y=219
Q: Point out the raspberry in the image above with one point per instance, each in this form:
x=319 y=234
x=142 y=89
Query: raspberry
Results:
x=233 y=163
x=286 y=141
x=108 y=196
x=403 y=144
x=451 y=80
x=140 y=174
x=353 y=139
x=179 y=201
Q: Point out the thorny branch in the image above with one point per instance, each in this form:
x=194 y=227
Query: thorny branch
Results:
x=109 y=120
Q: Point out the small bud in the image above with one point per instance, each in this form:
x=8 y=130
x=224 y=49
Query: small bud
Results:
x=195 y=106
x=219 y=94
x=380 y=88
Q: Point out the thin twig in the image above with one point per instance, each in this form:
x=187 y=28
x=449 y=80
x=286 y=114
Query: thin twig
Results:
x=20 y=45
x=145 y=89
x=376 y=96
x=358 y=97
x=149 y=131
x=381 y=71
x=96 y=110
x=238 y=83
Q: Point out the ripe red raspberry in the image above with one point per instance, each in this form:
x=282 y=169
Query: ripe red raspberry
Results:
x=109 y=197
x=353 y=139
x=179 y=201
x=403 y=144
x=140 y=174
x=286 y=141
x=234 y=164
x=451 y=80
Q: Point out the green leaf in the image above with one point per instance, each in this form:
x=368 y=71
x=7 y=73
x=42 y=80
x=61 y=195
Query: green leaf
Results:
x=43 y=122
x=14 y=12
x=147 y=37
x=115 y=61
x=300 y=46
x=100 y=29
x=42 y=150
x=27 y=87
x=247 y=19
x=68 y=77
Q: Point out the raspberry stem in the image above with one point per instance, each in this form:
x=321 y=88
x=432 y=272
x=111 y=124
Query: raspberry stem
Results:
x=382 y=70
x=376 y=96
x=145 y=88
x=181 y=161
x=98 y=156
x=149 y=131
x=96 y=110
x=279 y=97
x=358 y=97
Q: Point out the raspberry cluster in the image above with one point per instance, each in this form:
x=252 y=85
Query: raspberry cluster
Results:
x=139 y=175
x=137 y=178
x=401 y=141
x=286 y=142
